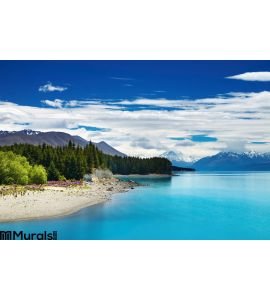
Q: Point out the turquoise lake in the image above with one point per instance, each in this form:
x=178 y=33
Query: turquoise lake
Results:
x=231 y=205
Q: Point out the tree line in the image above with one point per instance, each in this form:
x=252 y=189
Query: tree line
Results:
x=73 y=162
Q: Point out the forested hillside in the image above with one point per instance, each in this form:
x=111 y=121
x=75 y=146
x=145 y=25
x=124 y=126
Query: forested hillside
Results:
x=72 y=161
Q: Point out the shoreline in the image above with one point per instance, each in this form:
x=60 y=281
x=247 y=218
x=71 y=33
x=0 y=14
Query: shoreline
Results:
x=144 y=176
x=54 y=202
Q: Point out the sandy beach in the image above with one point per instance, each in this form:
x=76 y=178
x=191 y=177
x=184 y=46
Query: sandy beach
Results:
x=55 y=201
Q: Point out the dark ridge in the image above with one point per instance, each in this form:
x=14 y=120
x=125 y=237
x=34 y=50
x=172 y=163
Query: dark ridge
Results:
x=180 y=169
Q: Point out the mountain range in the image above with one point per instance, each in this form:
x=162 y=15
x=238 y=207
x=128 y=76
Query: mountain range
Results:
x=52 y=138
x=233 y=161
x=223 y=161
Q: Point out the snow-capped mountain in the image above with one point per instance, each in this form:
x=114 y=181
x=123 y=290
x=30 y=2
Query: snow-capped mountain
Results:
x=233 y=161
x=22 y=132
x=179 y=159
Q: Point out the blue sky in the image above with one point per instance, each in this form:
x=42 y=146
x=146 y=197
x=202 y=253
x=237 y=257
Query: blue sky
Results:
x=142 y=107
x=20 y=80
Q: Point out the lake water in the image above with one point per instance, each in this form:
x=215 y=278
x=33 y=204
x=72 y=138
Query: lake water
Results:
x=233 y=205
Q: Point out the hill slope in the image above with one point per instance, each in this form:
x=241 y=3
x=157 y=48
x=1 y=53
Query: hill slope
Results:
x=52 y=138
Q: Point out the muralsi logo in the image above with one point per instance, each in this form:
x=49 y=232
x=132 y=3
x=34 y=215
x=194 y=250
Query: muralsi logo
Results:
x=21 y=235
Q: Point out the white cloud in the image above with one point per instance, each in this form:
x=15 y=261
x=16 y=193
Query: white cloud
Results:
x=73 y=103
x=234 y=119
x=236 y=145
x=252 y=76
x=57 y=103
x=51 y=88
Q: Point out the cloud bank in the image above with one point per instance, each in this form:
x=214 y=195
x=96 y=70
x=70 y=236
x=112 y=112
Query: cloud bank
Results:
x=144 y=127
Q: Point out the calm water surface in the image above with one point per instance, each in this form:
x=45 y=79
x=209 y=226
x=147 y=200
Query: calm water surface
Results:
x=189 y=206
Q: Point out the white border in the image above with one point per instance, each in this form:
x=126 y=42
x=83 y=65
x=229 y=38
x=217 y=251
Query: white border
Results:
x=135 y=270
x=121 y=29
x=141 y=29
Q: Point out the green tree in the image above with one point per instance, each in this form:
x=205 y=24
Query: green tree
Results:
x=14 y=169
x=53 y=173
x=38 y=175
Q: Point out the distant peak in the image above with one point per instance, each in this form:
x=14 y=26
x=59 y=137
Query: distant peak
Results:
x=102 y=143
x=30 y=132
x=177 y=156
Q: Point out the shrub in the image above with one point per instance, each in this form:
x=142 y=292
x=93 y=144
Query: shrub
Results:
x=38 y=175
x=62 y=178
x=15 y=169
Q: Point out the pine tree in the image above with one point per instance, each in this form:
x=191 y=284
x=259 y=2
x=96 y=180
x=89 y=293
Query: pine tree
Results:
x=53 y=173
